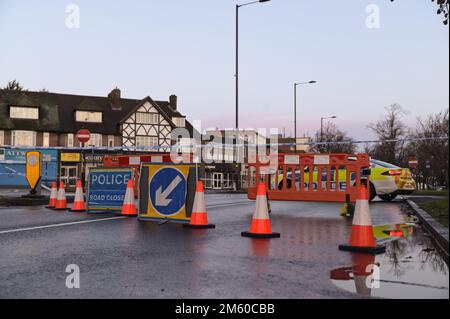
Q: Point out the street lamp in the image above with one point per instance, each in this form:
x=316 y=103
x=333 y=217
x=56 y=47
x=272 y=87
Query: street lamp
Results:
x=295 y=107
x=321 y=125
x=238 y=6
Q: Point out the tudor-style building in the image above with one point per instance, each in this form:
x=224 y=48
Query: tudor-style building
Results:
x=150 y=126
x=44 y=119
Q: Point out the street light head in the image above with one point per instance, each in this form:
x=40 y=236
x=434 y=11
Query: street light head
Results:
x=334 y=117
x=264 y=0
x=312 y=82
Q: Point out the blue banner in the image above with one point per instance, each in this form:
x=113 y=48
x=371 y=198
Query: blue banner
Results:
x=107 y=188
x=12 y=167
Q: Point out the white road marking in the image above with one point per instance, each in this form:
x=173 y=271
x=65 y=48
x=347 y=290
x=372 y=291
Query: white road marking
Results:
x=229 y=205
x=60 y=225
x=103 y=220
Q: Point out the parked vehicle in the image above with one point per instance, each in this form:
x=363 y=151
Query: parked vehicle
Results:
x=387 y=181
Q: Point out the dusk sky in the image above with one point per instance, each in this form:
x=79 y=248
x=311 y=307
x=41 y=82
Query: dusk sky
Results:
x=161 y=47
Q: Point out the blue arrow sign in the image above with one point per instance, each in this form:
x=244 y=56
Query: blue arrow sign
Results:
x=168 y=191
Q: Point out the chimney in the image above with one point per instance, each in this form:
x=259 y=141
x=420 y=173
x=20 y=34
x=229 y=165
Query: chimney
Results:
x=173 y=102
x=114 y=99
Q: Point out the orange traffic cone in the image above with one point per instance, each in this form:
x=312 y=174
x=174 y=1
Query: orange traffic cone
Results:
x=260 y=227
x=199 y=218
x=61 y=201
x=362 y=238
x=78 y=204
x=129 y=208
x=53 y=196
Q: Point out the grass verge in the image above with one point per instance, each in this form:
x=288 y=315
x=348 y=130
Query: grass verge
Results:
x=438 y=209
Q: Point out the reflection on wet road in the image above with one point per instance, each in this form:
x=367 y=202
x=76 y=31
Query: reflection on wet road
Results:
x=130 y=259
x=410 y=268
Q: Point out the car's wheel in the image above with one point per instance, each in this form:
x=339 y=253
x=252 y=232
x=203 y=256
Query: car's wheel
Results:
x=388 y=197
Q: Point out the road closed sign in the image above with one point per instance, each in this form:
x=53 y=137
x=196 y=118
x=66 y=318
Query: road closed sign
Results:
x=107 y=188
x=166 y=192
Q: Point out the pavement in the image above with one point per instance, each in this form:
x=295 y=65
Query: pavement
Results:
x=125 y=258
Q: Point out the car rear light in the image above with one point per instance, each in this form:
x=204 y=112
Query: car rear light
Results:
x=393 y=173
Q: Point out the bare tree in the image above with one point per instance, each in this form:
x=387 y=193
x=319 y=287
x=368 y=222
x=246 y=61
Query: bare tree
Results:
x=390 y=128
x=337 y=140
x=433 y=154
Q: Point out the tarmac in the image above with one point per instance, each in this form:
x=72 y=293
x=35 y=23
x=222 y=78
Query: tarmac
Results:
x=125 y=258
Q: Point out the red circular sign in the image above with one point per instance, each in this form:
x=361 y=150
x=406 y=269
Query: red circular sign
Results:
x=413 y=162
x=83 y=136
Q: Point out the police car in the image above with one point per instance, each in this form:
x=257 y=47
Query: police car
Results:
x=387 y=181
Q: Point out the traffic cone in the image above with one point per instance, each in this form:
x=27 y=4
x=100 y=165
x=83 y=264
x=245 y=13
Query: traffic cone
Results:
x=78 y=204
x=129 y=207
x=199 y=218
x=260 y=227
x=61 y=201
x=53 y=196
x=362 y=238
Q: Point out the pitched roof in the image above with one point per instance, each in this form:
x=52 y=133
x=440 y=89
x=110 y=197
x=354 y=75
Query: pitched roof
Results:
x=56 y=112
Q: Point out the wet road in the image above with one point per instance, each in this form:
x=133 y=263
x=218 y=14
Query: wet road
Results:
x=124 y=258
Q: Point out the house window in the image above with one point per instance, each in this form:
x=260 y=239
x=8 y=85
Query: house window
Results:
x=146 y=141
x=110 y=140
x=24 y=138
x=147 y=118
x=69 y=140
x=46 y=139
x=26 y=113
x=179 y=121
x=89 y=117
x=95 y=141
x=2 y=137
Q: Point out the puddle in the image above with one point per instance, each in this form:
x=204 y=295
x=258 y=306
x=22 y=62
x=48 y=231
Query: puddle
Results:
x=411 y=268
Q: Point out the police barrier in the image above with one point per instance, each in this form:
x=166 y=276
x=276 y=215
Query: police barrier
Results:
x=310 y=177
x=166 y=192
x=107 y=188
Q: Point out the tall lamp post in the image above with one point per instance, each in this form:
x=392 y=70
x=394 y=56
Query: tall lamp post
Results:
x=238 y=6
x=295 y=108
x=321 y=125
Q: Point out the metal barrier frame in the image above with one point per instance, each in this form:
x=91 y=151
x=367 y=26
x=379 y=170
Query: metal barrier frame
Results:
x=355 y=165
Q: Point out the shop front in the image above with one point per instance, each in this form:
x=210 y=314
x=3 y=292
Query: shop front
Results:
x=92 y=160
x=13 y=167
x=220 y=177
x=70 y=169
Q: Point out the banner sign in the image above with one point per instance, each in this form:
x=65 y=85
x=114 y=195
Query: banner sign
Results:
x=107 y=188
x=70 y=157
x=18 y=156
x=166 y=192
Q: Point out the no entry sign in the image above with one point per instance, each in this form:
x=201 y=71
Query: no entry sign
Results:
x=107 y=188
x=413 y=162
x=83 y=136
